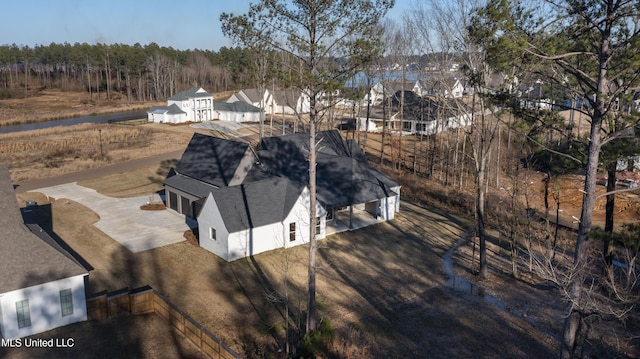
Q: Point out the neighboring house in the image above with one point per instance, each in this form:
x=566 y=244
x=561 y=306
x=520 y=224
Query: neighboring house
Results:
x=386 y=89
x=428 y=116
x=441 y=87
x=499 y=81
x=375 y=115
x=42 y=287
x=631 y=164
x=236 y=112
x=533 y=96
x=247 y=201
x=168 y=114
x=290 y=102
x=287 y=102
x=421 y=115
x=192 y=105
x=254 y=97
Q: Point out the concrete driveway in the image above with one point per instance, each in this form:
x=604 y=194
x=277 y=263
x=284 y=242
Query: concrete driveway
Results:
x=123 y=220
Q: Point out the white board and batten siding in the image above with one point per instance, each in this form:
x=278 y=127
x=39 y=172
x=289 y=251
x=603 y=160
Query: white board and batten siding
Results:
x=248 y=242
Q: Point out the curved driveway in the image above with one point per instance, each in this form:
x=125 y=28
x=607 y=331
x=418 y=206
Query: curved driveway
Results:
x=123 y=220
x=120 y=218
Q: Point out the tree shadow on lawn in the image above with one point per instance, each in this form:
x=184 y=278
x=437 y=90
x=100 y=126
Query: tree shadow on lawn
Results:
x=399 y=276
x=140 y=336
x=133 y=270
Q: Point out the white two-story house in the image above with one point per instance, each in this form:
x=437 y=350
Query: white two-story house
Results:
x=192 y=105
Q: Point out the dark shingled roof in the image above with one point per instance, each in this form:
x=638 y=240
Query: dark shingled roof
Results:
x=272 y=185
x=255 y=204
x=189 y=185
x=344 y=177
x=211 y=159
x=25 y=259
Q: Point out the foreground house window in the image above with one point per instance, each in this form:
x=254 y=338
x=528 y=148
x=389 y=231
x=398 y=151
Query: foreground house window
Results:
x=317 y=226
x=24 y=316
x=212 y=234
x=66 y=302
x=292 y=232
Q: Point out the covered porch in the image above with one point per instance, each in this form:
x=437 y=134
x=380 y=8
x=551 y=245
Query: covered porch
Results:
x=350 y=218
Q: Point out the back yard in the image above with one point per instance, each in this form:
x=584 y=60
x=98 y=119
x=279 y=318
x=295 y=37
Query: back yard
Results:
x=383 y=288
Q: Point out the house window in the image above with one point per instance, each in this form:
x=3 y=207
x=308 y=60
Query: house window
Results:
x=24 y=316
x=66 y=302
x=185 y=206
x=330 y=213
x=317 y=225
x=212 y=234
x=292 y=232
x=173 y=201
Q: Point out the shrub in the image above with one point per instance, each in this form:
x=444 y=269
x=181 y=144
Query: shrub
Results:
x=6 y=94
x=317 y=342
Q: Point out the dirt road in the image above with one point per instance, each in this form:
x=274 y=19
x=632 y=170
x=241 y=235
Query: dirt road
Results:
x=97 y=172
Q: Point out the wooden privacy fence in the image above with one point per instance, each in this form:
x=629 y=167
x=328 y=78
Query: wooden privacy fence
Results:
x=146 y=300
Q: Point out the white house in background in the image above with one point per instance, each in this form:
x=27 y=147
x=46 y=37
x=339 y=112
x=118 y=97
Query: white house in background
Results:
x=236 y=112
x=441 y=87
x=168 y=114
x=291 y=102
x=42 y=286
x=428 y=116
x=192 y=105
x=287 y=102
x=247 y=201
x=388 y=89
x=261 y=99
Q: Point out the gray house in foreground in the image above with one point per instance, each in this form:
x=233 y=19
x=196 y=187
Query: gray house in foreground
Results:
x=42 y=286
x=247 y=201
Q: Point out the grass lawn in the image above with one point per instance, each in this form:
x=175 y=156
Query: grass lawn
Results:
x=382 y=288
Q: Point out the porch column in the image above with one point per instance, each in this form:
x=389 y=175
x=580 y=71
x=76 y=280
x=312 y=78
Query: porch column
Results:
x=350 y=216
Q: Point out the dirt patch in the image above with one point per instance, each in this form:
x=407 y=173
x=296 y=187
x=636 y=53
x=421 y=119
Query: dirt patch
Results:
x=154 y=206
x=569 y=191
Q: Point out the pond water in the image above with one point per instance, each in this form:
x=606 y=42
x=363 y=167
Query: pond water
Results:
x=461 y=285
x=105 y=118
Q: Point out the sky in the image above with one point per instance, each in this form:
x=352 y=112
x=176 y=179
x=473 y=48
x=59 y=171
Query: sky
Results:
x=181 y=24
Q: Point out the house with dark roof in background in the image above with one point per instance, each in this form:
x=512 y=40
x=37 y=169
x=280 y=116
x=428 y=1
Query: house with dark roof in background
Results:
x=42 y=286
x=247 y=201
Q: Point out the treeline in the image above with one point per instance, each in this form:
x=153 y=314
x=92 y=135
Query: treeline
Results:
x=141 y=73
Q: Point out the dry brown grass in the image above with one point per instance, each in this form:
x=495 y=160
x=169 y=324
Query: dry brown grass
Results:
x=59 y=150
x=52 y=104
x=140 y=182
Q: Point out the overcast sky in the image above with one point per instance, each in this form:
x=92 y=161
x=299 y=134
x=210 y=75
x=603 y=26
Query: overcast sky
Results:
x=181 y=24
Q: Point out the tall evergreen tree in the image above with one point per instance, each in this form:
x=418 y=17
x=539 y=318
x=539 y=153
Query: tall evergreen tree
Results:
x=331 y=40
x=589 y=49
